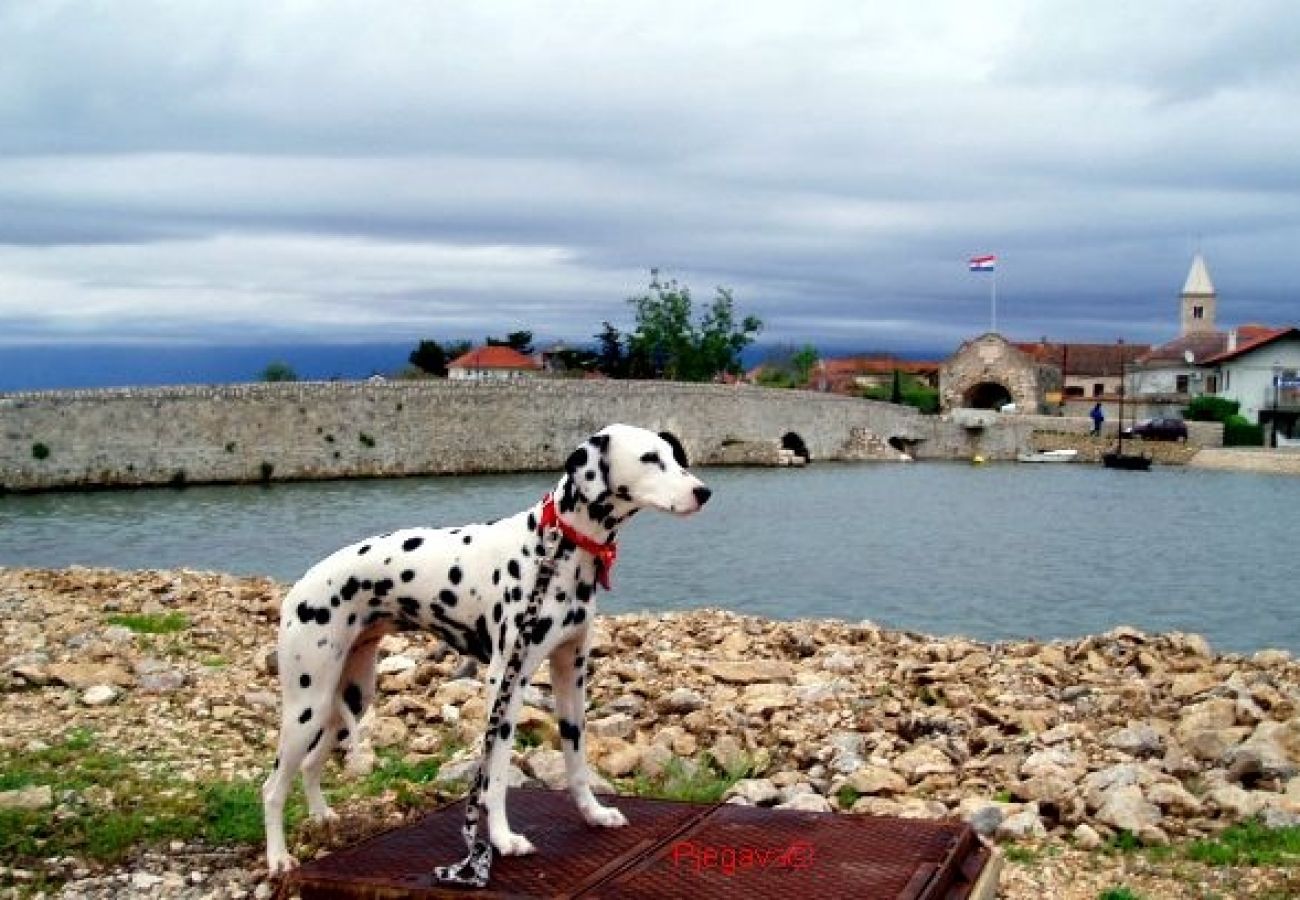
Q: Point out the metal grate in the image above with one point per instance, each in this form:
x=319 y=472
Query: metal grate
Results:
x=668 y=850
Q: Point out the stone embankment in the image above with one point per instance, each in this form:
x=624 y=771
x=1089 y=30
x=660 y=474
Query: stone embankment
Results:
x=1063 y=745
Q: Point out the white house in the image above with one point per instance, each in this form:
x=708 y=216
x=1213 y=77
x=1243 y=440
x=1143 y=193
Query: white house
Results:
x=492 y=363
x=1263 y=375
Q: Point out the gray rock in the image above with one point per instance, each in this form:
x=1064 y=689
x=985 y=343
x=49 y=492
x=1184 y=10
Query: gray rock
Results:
x=755 y=791
x=681 y=701
x=39 y=796
x=807 y=803
x=1023 y=825
x=619 y=725
x=1125 y=807
x=1137 y=739
x=987 y=819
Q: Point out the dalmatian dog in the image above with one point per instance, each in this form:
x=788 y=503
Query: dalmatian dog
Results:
x=509 y=593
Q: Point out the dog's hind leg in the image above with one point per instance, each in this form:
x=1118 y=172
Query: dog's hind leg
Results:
x=569 y=681
x=356 y=693
x=304 y=717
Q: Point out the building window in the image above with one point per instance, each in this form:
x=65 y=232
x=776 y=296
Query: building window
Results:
x=1198 y=312
x=1098 y=389
x=1181 y=384
x=1074 y=390
x=1212 y=384
x=1227 y=379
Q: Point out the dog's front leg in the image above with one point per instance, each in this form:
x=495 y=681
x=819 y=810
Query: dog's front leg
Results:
x=569 y=681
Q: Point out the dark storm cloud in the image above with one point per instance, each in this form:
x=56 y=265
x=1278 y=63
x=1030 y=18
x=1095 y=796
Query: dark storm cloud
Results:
x=236 y=170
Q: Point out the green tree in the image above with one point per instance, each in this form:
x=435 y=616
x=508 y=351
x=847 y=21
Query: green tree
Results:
x=670 y=344
x=610 y=356
x=787 y=367
x=521 y=341
x=432 y=357
x=804 y=361
x=279 y=371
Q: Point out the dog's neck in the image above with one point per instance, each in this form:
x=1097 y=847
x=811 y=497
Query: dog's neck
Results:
x=597 y=520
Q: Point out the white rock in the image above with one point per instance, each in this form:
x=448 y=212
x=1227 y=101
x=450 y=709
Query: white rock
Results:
x=394 y=664
x=100 y=695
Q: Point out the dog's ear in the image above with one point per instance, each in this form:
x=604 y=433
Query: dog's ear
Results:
x=588 y=467
x=679 y=452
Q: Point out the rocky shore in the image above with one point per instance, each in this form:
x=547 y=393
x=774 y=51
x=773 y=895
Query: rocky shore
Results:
x=1063 y=751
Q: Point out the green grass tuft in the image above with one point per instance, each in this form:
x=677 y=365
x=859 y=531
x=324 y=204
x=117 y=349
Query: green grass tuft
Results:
x=698 y=784
x=152 y=623
x=1249 y=844
x=1118 y=893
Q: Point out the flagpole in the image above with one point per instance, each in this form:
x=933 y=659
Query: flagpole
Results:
x=993 y=301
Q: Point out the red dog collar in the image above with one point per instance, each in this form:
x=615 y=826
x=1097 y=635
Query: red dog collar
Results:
x=605 y=553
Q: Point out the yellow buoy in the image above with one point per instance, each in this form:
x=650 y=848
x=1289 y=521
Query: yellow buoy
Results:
x=977 y=460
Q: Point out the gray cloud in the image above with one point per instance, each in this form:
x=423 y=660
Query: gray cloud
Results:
x=232 y=170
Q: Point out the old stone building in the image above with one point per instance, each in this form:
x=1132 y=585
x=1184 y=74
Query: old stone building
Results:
x=989 y=372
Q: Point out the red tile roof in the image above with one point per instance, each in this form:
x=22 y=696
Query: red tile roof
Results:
x=1085 y=360
x=1252 y=337
x=494 y=357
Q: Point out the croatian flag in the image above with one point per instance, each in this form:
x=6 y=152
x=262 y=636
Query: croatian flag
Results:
x=982 y=263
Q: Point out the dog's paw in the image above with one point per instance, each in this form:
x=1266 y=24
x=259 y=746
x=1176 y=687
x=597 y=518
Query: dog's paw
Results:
x=604 y=816
x=325 y=817
x=513 y=844
x=281 y=864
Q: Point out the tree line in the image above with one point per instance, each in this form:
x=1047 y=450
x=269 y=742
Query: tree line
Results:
x=668 y=340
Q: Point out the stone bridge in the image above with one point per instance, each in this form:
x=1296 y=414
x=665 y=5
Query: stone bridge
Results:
x=272 y=432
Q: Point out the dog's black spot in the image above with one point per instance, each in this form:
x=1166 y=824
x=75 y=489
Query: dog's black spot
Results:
x=541 y=628
x=505 y=730
x=525 y=552
x=516 y=594
x=623 y=493
x=352 y=618
x=366 y=585
x=584 y=591
x=447 y=597
x=575 y=616
x=598 y=511
x=305 y=716
x=407 y=575
x=316 y=740
x=349 y=589
x=496 y=576
x=577 y=459
x=412 y=543
x=343 y=735
x=540 y=549
x=467 y=540
x=482 y=640
x=570 y=732
x=383 y=586
x=454 y=575
x=590 y=475
x=306 y=613
x=497 y=612
x=610 y=523
x=304 y=680
x=410 y=606
x=364 y=550
x=334 y=601
x=276 y=764
x=532 y=521
x=679 y=452
x=377 y=616
x=352 y=697
x=375 y=601
x=513 y=568
x=322 y=616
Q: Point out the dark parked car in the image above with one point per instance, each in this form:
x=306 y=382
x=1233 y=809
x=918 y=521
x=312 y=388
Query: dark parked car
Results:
x=1159 y=430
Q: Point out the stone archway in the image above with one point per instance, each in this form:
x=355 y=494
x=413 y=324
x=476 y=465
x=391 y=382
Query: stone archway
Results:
x=795 y=445
x=987 y=395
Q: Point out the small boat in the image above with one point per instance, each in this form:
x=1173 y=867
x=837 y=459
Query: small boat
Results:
x=1049 y=456
x=1117 y=458
x=1132 y=462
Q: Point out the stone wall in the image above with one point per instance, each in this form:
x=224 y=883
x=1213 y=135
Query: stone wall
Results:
x=991 y=359
x=255 y=432
x=248 y=433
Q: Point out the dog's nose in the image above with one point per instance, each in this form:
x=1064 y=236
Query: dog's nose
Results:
x=702 y=495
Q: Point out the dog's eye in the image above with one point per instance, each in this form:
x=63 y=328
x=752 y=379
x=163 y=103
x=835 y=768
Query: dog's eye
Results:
x=652 y=457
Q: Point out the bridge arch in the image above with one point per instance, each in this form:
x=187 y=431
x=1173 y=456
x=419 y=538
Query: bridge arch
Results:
x=792 y=442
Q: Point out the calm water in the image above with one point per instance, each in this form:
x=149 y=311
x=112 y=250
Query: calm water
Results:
x=994 y=552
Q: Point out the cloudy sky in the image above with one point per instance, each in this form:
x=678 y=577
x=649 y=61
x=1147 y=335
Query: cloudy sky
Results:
x=245 y=171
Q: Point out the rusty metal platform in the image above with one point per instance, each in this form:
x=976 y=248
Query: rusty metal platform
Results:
x=671 y=850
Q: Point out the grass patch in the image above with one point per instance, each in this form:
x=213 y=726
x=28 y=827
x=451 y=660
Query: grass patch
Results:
x=527 y=737
x=152 y=623
x=700 y=783
x=1118 y=893
x=1249 y=844
x=1022 y=855
x=846 y=796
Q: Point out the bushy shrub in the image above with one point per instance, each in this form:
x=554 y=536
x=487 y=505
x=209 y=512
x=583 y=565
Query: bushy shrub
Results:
x=1238 y=432
x=1211 y=409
